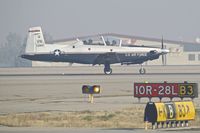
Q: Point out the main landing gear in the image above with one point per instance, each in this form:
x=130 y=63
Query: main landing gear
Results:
x=142 y=70
x=107 y=69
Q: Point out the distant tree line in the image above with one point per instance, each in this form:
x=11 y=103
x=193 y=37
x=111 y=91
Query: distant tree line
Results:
x=11 y=50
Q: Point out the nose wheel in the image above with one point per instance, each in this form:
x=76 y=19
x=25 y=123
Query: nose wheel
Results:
x=142 y=70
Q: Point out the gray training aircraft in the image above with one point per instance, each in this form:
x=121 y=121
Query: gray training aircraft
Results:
x=89 y=52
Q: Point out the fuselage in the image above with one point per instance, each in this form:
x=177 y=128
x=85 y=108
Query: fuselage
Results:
x=87 y=54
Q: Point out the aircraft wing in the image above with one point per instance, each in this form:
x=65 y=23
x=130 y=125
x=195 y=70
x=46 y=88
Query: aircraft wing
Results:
x=110 y=57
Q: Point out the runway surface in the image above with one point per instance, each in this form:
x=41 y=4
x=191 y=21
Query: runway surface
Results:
x=59 y=89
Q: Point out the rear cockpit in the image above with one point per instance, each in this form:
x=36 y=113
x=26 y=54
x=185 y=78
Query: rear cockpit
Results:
x=102 y=41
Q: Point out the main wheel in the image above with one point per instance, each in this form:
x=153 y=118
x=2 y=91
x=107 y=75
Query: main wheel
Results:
x=107 y=72
x=142 y=71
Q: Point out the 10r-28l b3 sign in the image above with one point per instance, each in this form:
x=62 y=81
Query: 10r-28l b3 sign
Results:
x=166 y=90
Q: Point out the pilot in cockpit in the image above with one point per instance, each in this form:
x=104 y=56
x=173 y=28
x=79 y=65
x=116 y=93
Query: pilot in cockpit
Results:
x=113 y=43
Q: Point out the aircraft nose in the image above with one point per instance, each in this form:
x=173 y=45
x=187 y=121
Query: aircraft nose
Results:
x=164 y=51
x=22 y=56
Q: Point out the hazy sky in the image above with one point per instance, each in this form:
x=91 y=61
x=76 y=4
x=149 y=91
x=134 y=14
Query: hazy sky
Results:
x=174 y=19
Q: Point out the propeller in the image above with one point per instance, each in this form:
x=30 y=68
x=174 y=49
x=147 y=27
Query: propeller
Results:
x=162 y=47
x=163 y=55
x=162 y=44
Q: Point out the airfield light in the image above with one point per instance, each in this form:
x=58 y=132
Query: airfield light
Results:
x=90 y=90
x=86 y=89
x=96 y=89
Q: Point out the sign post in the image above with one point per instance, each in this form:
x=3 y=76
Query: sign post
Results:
x=91 y=98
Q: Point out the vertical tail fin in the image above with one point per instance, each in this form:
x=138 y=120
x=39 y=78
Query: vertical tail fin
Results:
x=35 y=39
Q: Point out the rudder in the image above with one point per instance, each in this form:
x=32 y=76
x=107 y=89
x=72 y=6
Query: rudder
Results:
x=35 y=39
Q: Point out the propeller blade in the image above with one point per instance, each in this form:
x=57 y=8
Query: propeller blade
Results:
x=163 y=60
x=164 y=57
x=162 y=44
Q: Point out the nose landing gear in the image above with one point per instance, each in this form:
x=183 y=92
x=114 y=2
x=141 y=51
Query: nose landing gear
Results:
x=142 y=70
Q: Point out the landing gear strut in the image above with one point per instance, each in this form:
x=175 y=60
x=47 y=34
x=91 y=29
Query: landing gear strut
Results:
x=107 y=69
x=142 y=70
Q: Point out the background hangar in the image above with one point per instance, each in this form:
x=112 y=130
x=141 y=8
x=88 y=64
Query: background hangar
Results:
x=181 y=53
